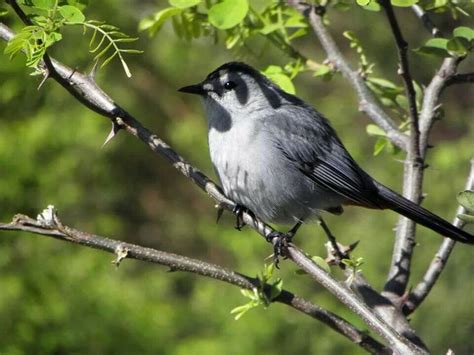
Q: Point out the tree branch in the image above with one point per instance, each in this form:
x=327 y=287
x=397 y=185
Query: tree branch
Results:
x=419 y=293
x=367 y=102
x=404 y=72
x=398 y=343
x=464 y=78
x=399 y=273
x=181 y=263
x=87 y=92
x=426 y=20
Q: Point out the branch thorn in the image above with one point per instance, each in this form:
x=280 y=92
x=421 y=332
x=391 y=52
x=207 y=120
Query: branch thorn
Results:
x=113 y=132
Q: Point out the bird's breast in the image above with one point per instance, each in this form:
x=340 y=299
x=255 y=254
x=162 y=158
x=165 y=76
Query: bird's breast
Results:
x=254 y=173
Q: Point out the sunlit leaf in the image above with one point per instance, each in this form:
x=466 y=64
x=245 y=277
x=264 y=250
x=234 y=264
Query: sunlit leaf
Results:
x=458 y=46
x=44 y=4
x=153 y=23
x=228 y=13
x=466 y=199
x=184 y=4
x=434 y=46
x=403 y=3
x=71 y=14
x=464 y=32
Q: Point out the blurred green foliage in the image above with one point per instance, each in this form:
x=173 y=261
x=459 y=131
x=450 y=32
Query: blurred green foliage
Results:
x=61 y=298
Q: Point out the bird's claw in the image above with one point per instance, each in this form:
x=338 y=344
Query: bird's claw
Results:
x=239 y=210
x=280 y=243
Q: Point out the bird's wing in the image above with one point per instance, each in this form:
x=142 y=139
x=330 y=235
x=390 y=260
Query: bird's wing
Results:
x=305 y=138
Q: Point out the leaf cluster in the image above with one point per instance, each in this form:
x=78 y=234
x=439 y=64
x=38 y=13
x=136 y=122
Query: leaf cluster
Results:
x=48 y=18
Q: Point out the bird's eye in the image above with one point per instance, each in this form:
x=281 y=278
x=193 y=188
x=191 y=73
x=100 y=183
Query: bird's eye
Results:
x=229 y=85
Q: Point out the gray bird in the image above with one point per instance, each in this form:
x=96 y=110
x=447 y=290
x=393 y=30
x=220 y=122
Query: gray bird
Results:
x=279 y=157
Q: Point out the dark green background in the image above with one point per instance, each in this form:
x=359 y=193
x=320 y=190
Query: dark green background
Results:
x=60 y=298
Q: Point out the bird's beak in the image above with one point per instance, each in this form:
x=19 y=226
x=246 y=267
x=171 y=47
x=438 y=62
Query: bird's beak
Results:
x=194 y=89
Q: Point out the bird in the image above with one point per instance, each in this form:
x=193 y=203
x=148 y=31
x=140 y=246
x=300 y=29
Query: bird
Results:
x=278 y=157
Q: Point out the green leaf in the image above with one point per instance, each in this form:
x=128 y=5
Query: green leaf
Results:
x=322 y=70
x=156 y=21
x=184 y=4
x=363 y=2
x=372 y=6
x=283 y=81
x=3 y=11
x=458 y=46
x=228 y=13
x=403 y=3
x=434 y=46
x=72 y=14
x=466 y=199
x=276 y=289
x=379 y=146
x=466 y=218
x=464 y=32
x=44 y=4
x=374 y=130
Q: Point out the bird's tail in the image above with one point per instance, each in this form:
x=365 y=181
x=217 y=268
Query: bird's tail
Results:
x=409 y=209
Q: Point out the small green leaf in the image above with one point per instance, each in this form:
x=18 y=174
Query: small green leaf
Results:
x=363 y=2
x=276 y=289
x=372 y=6
x=322 y=70
x=71 y=14
x=184 y=4
x=374 y=130
x=155 y=22
x=403 y=3
x=466 y=218
x=228 y=13
x=3 y=11
x=283 y=81
x=434 y=46
x=44 y=4
x=464 y=32
x=379 y=146
x=458 y=46
x=466 y=199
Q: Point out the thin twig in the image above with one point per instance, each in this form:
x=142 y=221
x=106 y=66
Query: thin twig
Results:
x=87 y=92
x=367 y=102
x=426 y=20
x=404 y=72
x=181 y=263
x=463 y=78
x=419 y=293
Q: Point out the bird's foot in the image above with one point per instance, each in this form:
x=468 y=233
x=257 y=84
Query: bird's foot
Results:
x=239 y=210
x=280 y=242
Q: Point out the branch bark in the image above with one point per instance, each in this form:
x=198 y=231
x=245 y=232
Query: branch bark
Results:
x=87 y=92
x=419 y=293
x=181 y=263
x=399 y=273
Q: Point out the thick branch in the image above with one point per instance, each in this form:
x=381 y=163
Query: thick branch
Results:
x=399 y=273
x=182 y=263
x=367 y=102
x=419 y=293
x=88 y=93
